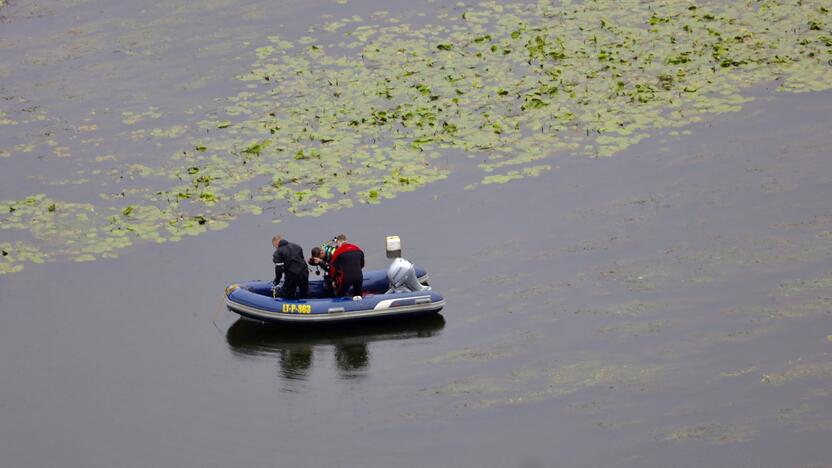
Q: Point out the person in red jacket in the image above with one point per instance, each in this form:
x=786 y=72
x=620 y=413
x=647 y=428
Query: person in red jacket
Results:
x=347 y=262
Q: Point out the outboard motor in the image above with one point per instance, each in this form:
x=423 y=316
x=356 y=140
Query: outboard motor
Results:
x=402 y=276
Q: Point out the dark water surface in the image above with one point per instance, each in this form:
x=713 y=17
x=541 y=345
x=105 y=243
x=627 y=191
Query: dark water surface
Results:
x=669 y=306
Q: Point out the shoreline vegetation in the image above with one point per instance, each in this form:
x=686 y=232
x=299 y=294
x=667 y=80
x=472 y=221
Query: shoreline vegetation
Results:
x=362 y=109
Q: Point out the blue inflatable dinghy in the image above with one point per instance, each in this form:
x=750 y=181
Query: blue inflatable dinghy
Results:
x=254 y=300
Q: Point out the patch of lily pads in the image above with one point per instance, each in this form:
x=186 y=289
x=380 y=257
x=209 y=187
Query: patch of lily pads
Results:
x=362 y=110
x=535 y=385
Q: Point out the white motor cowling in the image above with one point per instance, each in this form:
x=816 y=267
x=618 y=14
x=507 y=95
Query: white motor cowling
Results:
x=402 y=276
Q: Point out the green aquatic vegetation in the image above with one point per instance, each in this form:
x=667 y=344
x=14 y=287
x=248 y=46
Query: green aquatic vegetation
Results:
x=802 y=371
x=728 y=257
x=528 y=385
x=4 y=120
x=739 y=373
x=501 y=347
x=360 y=110
x=13 y=256
x=634 y=329
x=791 y=288
x=713 y=433
x=83 y=232
x=633 y=309
x=515 y=174
x=132 y=118
x=475 y=355
x=736 y=336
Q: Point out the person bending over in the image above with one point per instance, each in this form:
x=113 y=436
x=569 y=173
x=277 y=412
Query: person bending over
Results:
x=321 y=259
x=289 y=262
x=347 y=262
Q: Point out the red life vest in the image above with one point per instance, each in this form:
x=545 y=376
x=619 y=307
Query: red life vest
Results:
x=345 y=247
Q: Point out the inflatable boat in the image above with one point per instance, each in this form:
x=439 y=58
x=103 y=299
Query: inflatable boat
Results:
x=384 y=295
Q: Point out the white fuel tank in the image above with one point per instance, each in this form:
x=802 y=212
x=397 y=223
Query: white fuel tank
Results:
x=394 y=247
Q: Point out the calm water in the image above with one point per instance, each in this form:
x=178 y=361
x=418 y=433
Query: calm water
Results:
x=669 y=306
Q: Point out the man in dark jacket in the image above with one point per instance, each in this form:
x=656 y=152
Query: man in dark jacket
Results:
x=347 y=262
x=288 y=259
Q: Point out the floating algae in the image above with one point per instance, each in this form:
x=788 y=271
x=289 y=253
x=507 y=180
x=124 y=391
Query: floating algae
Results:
x=360 y=111
x=530 y=385
x=629 y=330
x=820 y=371
x=714 y=433
x=797 y=287
x=633 y=309
x=504 y=347
x=803 y=415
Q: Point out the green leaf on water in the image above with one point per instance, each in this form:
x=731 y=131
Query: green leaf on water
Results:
x=256 y=148
x=534 y=103
x=208 y=197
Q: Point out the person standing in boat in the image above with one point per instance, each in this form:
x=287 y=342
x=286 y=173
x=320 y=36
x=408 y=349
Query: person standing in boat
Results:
x=347 y=262
x=289 y=262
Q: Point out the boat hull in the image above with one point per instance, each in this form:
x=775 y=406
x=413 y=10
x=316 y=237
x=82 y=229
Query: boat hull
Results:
x=253 y=300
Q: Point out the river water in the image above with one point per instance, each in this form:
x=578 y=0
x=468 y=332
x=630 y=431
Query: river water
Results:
x=668 y=306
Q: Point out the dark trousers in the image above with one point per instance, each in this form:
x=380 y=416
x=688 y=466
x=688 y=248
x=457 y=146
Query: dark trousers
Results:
x=348 y=283
x=295 y=286
x=329 y=288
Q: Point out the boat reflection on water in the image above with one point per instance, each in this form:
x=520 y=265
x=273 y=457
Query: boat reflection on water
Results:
x=295 y=348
